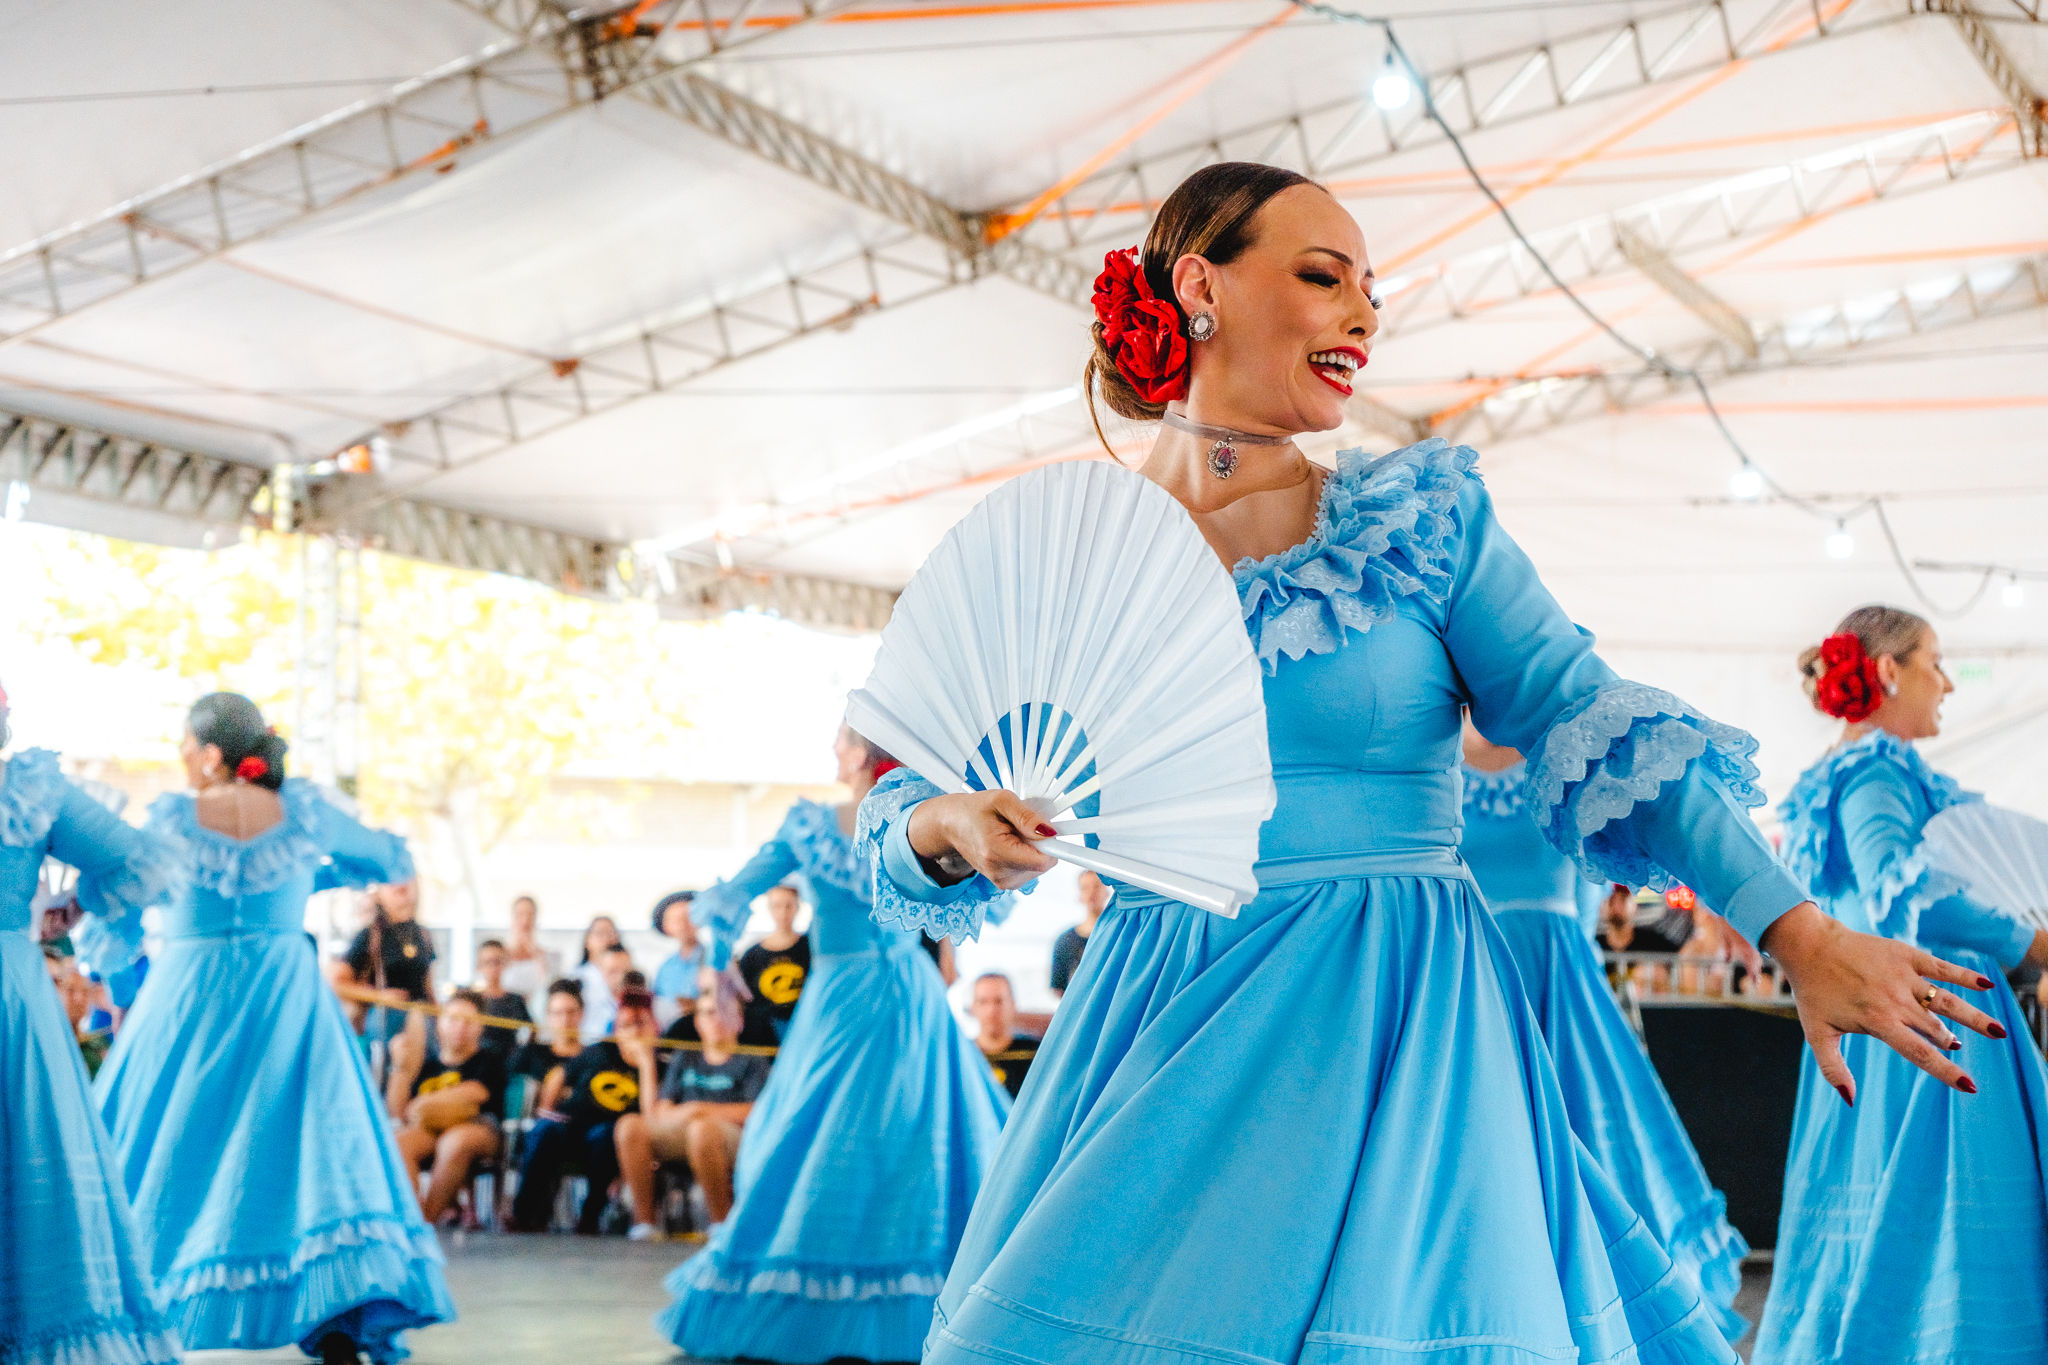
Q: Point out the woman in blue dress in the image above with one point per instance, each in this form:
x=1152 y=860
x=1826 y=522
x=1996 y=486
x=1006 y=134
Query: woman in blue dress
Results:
x=74 y=1284
x=863 y=1154
x=1328 y=1130
x=1915 y=1223
x=1617 y=1104
x=270 y=1196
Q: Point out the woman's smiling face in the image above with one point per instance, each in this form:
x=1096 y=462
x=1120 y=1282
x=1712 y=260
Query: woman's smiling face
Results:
x=1295 y=318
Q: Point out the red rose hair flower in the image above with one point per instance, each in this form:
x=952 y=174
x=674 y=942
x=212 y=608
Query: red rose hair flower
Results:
x=1850 y=689
x=251 y=768
x=1140 y=330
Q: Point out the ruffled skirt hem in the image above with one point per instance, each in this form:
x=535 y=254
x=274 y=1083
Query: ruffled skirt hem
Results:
x=369 y=1290
x=798 y=1316
x=101 y=1341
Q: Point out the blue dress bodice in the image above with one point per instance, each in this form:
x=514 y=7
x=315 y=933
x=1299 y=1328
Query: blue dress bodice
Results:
x=260 y=885
x=808 y=844
x=1409 y=602
x=1854 y=823
x=121 y=871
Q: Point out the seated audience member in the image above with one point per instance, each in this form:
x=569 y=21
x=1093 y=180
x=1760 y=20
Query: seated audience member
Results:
x=74 y=992
x=675 y=980
x=529 y=967
x=393 y=955
x=995 y=1014
x=499 y=1003
x=696 y=1115
x=599 y=1009
x=579 y=1105
x=455 y=1105
x=1068 y=947
x=774 y=969
x=563 y=1042
x=599 y=937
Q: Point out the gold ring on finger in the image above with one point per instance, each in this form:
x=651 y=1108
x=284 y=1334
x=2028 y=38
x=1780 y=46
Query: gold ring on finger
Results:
x=1927 y=1000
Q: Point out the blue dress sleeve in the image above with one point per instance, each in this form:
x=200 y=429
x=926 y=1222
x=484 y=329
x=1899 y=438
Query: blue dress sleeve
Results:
x=1883 y=814
x=906 y=898
x=356 y=855
x=723 y=908
x=1627 y=781
x=122 y=871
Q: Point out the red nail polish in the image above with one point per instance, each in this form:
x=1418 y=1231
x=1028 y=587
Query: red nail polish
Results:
x=1843 y=1091
x=1983 y=983
x=1046 y=831
x=1997 y=1029
x=1967 y=1086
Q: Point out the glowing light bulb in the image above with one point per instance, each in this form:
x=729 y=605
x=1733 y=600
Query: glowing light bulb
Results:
x=1746 y=483
x=2014 y=595
x=1393 y=89
x=1841 y=545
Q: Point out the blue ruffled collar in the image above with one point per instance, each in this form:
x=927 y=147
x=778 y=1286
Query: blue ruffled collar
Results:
x=812 y=829
x=244 y=867
x=1383 y=532
x=1808 y=809
x=31 y=791
x=1500 y=795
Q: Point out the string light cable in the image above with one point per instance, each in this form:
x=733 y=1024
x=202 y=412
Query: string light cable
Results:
x=1752 y=478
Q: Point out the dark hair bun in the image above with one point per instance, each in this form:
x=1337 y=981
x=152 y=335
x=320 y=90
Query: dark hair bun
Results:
x=232 y=723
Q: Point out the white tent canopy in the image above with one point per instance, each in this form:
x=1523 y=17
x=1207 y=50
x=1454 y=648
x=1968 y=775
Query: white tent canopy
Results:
x=732 y=281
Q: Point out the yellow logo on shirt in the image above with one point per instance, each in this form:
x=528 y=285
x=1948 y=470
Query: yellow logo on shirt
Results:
x=447 y=1080
x=615 y=1089
x=1002 y=1076
x=782 y=982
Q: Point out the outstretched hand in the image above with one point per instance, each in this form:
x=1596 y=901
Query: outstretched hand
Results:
x=1845 y=982
x=992 y=832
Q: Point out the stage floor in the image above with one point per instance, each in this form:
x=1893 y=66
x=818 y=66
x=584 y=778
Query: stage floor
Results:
x=557 y=1299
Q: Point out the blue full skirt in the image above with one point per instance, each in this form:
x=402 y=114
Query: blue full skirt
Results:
x=1915 y=1226
x=74 y=1289
x=1619 y=1107
x=252 y=1142
x=856 y=1171
x=1326 y=1131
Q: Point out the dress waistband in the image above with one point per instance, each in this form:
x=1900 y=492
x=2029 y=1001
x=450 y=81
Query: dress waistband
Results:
x=1548 y=904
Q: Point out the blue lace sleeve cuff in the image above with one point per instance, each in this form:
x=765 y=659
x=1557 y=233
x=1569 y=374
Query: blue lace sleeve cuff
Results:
x=905 y=898
x=1615 y=750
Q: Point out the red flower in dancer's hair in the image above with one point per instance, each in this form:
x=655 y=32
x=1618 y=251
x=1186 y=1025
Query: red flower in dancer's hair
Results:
x=251 y=768
x=1849 y=689
x=1141 y=331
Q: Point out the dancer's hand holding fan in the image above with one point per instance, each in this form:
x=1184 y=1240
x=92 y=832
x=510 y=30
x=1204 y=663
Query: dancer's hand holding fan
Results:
x=1074 y=641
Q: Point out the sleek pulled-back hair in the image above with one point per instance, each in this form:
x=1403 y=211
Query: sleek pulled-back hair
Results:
x=1209 y=215
x=1881 y=630
x=231 y=723
x=876 y=754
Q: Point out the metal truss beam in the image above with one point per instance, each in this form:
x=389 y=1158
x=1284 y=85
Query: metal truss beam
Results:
x=1675 y=43
x=2027 y=104
x=424 y=124
x=1806 y=339
x=1744 y=208
x=829 y=298
x=826 y=604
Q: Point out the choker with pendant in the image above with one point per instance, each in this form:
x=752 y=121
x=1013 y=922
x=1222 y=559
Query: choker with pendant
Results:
x=1222 y=458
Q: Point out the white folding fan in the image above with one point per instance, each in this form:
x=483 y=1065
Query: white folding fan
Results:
x=2001 y=855
x=1073 y=639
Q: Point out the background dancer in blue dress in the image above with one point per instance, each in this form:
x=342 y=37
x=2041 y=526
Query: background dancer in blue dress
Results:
x=1617 y=1104
x=1329 y=1129
x=252 y=1142
x=860 y=1160
x=74 y=1283
x=1915 y=1224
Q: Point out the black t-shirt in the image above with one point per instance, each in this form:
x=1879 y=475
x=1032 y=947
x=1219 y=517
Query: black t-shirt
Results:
x=535 y=1060
x=408 y=954
x=776 y=977
x=1066 y=957
x=599 y=1086
x=508 y=1006
x=736 y=1080
x=1010 y=1072
x=483 y=1065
